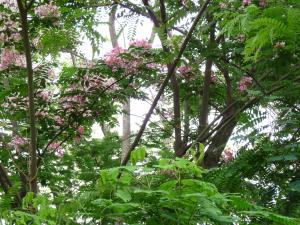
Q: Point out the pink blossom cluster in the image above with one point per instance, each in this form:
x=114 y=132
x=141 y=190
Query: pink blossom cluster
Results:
x=223 y=5
x=228 y=155
x=141 y=44
x=41 y=113
x=56 y=146
x=70 y=103
x=247 y=2
x=47 y=11
x=10 y=4
x=17 y=142
x=60 y=121
x=16 y=103
x=10 y=57
x=115 y=60
x=10 y=30
x=95 y=83
x=263 y=3
x=244 y=83
x=45 y=95
x=213 y=78
x=185 y=71
x=111 y=84
x=92 y=82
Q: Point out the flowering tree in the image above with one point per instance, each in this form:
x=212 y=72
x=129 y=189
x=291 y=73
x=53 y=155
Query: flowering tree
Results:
x=219 y=62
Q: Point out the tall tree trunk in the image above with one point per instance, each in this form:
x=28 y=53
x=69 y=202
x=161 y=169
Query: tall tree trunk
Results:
x=186 y=120
x=204 y=101
x=126 y=105
x=221 y=137
x=33 y=187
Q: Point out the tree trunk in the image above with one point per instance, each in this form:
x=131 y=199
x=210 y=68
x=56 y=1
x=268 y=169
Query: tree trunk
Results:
x=221 y=137
x=204 y=102
x=33 y=187
x=126 y=105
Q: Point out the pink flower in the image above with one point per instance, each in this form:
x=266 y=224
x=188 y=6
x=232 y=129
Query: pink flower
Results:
x=141 y=43
x=2 y=37
x=45 y=95
x=184 y=69
x=222 y=5
x=59 y=120
x=228 y=155
x=54 y=146
x=246 y=2
x=18 y=142
x=113 y=59
x=111 y=83
x=78 y=139
x=263 y=3
x=213 y=77
x=16 y=37
x=10 y=57
x=51 y=73
x=60 y=153
x=80 y=130
x=244 y=83
x=47 y=10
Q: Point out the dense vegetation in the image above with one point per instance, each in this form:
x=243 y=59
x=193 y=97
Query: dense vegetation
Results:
x=223 y=70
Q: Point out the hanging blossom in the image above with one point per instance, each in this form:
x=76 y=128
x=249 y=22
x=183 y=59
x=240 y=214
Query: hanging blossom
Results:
x=60 y=121
x=141 y=44
x=45 y=95
x=80 y=130
x=223 y=5
x=17 y=142
x=111 y=84
x=115 y=60
x=213 y=77
x=185 y=71
x=10 y=57
x=263 y=3
x=10 y=4
x=244 y=83
x=56 y=146
x=247 y=2
x=228 y=155
x=47 y=11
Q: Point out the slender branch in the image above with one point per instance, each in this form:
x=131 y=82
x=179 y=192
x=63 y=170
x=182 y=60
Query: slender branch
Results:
x=166 y=81
x=151 y=13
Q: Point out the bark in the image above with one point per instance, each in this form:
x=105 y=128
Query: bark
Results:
x=177 y=116
x=187 y=109
x=126 y=128
x=33 y=187
x=204 y=101
x=126 y=105
x=152 y=36
x=221 y=137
